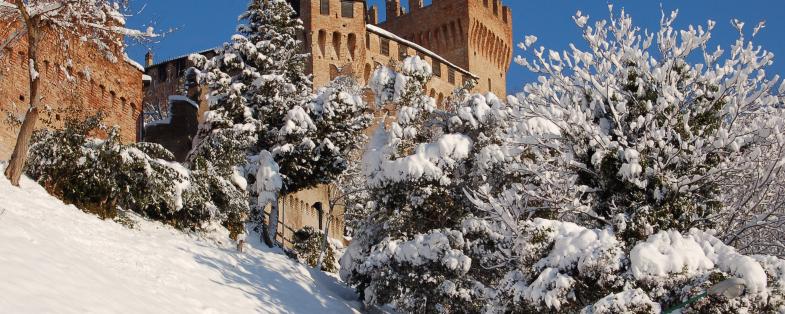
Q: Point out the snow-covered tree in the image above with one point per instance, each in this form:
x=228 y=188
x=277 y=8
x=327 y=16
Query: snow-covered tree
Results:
x=630 y=133
x=261 y=100
x=96 y=22
x=468 y=210
x=650 y=157
x=411 y=250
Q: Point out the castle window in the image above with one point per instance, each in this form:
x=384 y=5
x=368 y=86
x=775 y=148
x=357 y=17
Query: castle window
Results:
x=337 y=44
x=489 y=85
x=352 y=45
x=485 y=3
x=367 y=73
x=324 y=7
x=451 y=76
x=385 y=47
x=322 y=41
x=437 y=69
x=162 y=73
x=347 y=9
x=368 y=41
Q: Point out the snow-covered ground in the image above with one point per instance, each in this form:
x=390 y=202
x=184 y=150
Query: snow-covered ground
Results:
x=56 y=259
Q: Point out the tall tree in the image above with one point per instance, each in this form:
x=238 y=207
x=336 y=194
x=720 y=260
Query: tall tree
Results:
x=261 y=98
x=99 y=20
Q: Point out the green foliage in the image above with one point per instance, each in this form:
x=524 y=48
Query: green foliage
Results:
x=308 y=244
x=107 y=178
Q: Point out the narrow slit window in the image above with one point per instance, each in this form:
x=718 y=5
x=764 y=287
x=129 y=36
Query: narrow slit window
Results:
x=324 y=7
x=385 y=47
x=347 y=9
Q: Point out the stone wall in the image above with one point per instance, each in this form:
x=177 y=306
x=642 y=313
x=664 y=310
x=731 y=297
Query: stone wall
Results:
x=83 y=80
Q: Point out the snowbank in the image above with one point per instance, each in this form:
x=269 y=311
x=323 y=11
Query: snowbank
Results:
x=55 y=258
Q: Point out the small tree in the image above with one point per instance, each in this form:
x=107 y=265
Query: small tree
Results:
x=98 y=20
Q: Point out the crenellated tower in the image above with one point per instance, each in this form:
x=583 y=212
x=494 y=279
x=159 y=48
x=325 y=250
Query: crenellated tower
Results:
x=473 y=34
x=334 y=35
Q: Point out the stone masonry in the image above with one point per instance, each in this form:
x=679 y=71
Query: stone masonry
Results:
x=83 y=80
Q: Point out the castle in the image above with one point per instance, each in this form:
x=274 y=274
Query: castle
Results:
x=460 y=39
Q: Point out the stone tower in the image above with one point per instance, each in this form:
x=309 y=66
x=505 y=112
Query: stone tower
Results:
x=472 y=34
x=334 y=35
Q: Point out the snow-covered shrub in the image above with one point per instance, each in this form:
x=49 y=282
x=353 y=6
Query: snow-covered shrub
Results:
x=628 y=131
x=307 y=245
x=104 y=177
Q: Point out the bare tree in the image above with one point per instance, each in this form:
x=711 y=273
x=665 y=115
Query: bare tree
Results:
x=98 y=21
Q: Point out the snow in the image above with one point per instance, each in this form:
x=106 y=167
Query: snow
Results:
x=669 y=252
x=33 y=71
x=628 y=301
x=133 y=63
x=57 y=259
x=428 y=161
x=147 y=78
x=268 y=178
x=573 y=244
x=380 y=31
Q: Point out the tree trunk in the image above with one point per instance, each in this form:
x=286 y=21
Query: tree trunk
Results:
x=272 y=224
x=326 y=234
x=19 y=157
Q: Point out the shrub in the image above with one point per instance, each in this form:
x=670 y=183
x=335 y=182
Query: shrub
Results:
x=106 y=177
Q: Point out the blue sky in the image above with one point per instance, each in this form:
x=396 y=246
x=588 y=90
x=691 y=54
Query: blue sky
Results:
x=203 y=24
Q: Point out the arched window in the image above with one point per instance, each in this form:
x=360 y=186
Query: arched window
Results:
x=322 y=41
x=320 y=214
x=440 y=100
x=337 y=44
x=352 y=45
x=367 y=73
x=334 y=72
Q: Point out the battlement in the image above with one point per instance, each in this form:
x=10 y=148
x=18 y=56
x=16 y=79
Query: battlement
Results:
x=472 y=34
x=395 y=10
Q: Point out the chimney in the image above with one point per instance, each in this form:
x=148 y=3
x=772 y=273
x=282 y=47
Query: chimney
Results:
x=393 y=9
x=373 y=15
x=415 y=4
x=148 y=58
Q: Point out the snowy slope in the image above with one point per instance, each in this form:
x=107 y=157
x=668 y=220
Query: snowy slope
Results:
x=56 y=259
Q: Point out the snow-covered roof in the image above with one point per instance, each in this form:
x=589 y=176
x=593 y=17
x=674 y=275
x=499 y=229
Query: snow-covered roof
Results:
x=133 y=63
x=382 y=32
x=182 y=56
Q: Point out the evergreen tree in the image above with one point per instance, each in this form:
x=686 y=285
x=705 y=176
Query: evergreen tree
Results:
x=261 y=103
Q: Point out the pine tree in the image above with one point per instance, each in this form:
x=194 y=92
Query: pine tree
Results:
x=261 y=101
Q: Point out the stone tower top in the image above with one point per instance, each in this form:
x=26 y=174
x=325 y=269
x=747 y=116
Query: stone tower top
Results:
x=473 y=34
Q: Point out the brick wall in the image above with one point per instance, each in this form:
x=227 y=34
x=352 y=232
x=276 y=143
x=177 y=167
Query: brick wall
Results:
x=83 y=79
